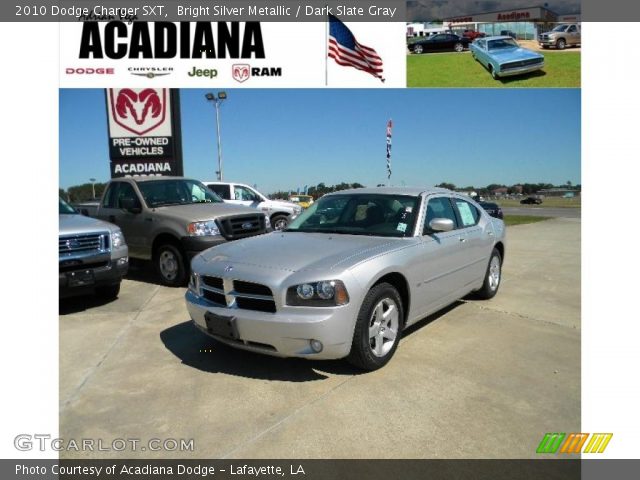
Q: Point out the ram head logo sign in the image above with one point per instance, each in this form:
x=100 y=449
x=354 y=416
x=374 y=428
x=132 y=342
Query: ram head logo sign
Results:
x=138 y=110
x=241 y=72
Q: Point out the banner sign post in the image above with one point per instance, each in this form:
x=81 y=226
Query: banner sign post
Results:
x=144 y=131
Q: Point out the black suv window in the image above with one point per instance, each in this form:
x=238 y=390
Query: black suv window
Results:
x=469 y=215
x=111 y=196
x=223 y=191
x=439 y=207
x=127 y=191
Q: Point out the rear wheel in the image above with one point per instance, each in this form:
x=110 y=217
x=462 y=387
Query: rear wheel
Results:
x=492 y=277
x=170 y=265
x=418 y=49
x=458 y=47
x=378 y=328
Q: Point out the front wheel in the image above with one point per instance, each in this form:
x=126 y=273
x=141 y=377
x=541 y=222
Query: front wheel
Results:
x=170 y=265
x=418 y=49
x=560 y=44
x=378 y=328
x=279 y=222
x=492 y=277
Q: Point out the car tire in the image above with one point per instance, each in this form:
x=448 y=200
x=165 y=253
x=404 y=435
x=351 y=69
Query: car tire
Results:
x=458 y=47
x=279 y=222
x=418 y=49
x=492 y=70
x=545 y=47
x=170 y=265
x=561 y=44
x=378 y=328
x=492 y=278
x=108 y=292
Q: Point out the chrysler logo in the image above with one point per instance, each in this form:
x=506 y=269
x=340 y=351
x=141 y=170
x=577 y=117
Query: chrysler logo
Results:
x=228 y=268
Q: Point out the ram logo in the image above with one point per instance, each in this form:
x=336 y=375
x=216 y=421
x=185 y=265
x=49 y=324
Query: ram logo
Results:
x=241 y=72
x=138 y=110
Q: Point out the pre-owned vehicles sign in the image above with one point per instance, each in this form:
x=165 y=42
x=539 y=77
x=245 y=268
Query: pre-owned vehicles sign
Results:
x=143 y=131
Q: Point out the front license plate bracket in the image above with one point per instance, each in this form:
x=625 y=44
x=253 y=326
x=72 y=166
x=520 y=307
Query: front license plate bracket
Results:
x=222 y=326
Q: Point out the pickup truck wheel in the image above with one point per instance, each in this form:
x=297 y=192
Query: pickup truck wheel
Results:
x=560 y=44
x=170 y=265
x=279 y=222
x=378 y=328
x=492 y=277
x=458 y=47
x=108 y=292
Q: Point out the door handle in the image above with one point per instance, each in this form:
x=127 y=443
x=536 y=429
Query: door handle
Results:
x=490 y=234
x=462 y=239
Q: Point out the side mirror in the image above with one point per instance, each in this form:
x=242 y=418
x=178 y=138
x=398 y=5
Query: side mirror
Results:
x=130 y=205
x=441 y=225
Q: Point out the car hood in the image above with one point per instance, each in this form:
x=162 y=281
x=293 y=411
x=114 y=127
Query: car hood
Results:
x=74 y=224
x=197 y=212
x=297 y=251
x=514 y=54
x=283 y=204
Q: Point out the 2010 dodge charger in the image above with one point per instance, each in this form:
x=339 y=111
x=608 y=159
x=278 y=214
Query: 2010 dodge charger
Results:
x=348 y=275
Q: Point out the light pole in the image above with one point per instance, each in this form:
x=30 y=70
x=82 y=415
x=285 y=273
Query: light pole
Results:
x=217 y=100
x=93 y=188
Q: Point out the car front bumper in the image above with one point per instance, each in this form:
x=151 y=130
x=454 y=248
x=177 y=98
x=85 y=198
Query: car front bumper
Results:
x=521 y=70
x=110 y=273
x=286 y=333
x=547 y=43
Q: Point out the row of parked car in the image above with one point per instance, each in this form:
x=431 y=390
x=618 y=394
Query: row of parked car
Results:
x=343 y=279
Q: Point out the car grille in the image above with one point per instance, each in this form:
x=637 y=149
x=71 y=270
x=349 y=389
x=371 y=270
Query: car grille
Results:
x=521 y=63
x=238 y=294
x=544 y=38
x=242 y=226
x=82 y=244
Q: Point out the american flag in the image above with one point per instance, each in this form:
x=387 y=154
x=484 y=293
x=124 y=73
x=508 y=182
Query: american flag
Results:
x=346 y=51
x=389 y=127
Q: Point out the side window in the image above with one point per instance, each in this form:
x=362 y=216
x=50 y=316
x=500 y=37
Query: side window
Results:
x=126 y=191
x=223 y=191
x=243 y=193
x=469 y=215
x=110 y=196
x=439 y=207
x=572 y=28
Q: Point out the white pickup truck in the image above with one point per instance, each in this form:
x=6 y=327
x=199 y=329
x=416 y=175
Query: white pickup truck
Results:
x=279 y=212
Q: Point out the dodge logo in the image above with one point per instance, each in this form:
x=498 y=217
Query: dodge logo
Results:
x=241 y=72
x=138 y=110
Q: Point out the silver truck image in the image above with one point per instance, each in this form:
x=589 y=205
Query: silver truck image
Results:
x=93 y=255
x=348 y=275
x=170 y=219
x=280 y=212
x=563 y=35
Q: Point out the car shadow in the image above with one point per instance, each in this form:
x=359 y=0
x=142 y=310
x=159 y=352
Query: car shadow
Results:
x=431 y=318
x=81 y=303
x=197 y=350
x=142 y=271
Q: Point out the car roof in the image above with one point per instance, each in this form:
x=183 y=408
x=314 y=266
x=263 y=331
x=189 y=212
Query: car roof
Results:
x=152 y=178
x=411 y=191
x=498 y=37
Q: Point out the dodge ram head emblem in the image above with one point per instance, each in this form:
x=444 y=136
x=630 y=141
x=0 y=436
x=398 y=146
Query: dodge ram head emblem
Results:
x=241 y=72
x=138 y=110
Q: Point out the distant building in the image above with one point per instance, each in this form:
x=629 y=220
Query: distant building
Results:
x=558 y=192
x=498 y=192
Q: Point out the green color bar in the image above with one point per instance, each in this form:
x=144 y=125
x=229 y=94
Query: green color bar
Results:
x=550 y=443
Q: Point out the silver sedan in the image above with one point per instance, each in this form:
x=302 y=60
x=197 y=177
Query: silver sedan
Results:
x=348 y=275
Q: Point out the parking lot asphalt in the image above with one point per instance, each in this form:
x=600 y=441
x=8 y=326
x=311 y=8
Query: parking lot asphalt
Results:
x=482 y=379
x=543 y=211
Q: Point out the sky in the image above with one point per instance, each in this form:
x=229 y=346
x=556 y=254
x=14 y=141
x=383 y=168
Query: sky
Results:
x=281 y=139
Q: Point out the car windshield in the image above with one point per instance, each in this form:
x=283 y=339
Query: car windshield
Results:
x=502 y=43
x=560 y=28
x=159 y=193
x=64 y=208
x=360 y=214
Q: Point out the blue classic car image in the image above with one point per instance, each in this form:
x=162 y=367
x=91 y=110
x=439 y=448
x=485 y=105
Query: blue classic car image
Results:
x=503 y=57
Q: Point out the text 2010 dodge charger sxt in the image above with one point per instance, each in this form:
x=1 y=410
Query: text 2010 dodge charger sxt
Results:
x=348 y=275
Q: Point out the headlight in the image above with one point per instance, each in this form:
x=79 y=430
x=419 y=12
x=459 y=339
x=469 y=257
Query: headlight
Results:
x=194 y=283
x=327 y=293
x=267 y=222
x=200 y=229
x=117 y=239
x=297 y=210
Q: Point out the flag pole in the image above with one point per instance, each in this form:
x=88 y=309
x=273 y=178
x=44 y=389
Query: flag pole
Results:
x=326 y=52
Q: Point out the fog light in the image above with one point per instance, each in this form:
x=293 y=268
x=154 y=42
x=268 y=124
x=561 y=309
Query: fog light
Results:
x=316 y=345
x=122 y=261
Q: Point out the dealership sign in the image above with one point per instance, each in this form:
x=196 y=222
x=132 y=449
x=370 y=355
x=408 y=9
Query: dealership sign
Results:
x=143 y=131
